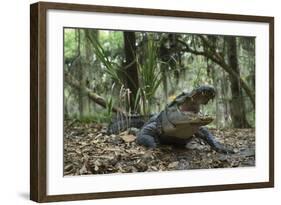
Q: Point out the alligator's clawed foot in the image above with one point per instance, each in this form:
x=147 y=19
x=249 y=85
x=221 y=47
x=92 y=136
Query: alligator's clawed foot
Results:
x=224 y=150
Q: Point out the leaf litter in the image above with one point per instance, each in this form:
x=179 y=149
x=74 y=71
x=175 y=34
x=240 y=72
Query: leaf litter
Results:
x=88 y=149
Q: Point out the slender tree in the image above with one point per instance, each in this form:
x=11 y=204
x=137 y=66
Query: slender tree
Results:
x=131 y=71
x=237 y=102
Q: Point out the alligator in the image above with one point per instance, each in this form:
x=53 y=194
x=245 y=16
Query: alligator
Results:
x=179 y=122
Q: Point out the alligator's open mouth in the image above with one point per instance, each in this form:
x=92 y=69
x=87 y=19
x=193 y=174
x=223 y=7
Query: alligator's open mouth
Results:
x=198 y=97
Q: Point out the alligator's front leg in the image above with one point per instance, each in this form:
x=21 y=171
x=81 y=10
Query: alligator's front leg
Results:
x=206 y=135
x=147 y=135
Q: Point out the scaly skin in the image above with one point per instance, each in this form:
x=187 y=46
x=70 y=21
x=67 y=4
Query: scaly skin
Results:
x=171 y=126
x=177 y=124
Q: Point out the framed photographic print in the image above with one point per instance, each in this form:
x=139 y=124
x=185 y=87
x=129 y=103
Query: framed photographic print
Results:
x=134 y=102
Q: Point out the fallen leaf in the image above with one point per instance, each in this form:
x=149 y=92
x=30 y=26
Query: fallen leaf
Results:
x=83 y=170
x=68 y=167
x=128 y=138
x=173 y=165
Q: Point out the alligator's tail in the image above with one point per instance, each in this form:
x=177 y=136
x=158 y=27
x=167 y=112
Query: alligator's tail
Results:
x=122 y=123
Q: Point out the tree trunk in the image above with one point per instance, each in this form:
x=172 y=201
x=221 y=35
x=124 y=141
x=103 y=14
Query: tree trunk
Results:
x=214 y=74
x=164 y=67
x=225 y=94
x=65 y=105
x=237 y=102
x=82 y=76
x=88 y=77
x=131 y=70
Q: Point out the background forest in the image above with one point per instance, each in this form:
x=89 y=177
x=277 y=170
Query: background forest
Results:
x=140 y=72
x=107 y=73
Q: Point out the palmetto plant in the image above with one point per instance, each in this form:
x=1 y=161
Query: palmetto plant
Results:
x=149 y=75
x=148 y=72
x=111 y=68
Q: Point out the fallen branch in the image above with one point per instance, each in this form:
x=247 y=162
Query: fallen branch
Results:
x=93 y=96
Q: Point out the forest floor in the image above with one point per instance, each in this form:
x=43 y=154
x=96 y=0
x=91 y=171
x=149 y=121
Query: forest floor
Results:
x=89 y=150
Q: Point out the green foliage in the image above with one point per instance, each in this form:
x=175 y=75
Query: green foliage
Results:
x=99 y=117
x=111 y=68
x=112 y=42
x=149 y=74
x=70 y=44
x=102 y=56
x=110 y=103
